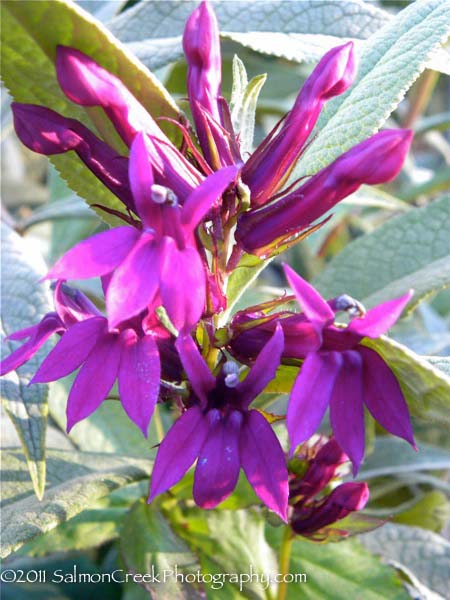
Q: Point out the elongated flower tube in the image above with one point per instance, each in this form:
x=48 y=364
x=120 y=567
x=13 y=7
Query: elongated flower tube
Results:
x=376 y=160
x=162 y=258
x=224 y=434
x=47 y=132
x=201 y=46
x=269 y=166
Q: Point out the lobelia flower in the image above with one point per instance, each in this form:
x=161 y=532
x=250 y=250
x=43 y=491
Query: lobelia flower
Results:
x=339 y=371
x=161 y=258
x=224 y=434
x=314 y=517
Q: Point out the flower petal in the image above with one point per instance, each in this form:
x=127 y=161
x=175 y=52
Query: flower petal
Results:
x=201 y=378
x=384 y=398
x=264 y=463
x=72 y=305
x=178 y=450
x=311 y=302
x=139 y=377
x=379 y=319
x=94 y=380
x=134 y=283
x=38 y=335
x=217 y=471
x=346 y=408
x=71 y=350
x=141 y=181
x=311 y=395
x=263 y=370
x=182 y=271
x=98 y=255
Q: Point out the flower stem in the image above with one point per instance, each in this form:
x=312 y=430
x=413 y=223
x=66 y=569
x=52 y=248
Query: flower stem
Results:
x=285 y=557
x=158 y=424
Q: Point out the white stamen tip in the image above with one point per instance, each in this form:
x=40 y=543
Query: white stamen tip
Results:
x=160 y=195
x=231 y=372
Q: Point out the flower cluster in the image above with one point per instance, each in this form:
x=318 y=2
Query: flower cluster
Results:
x=189 y=215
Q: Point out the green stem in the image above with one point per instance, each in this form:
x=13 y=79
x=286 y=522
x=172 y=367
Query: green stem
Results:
x=158 y=424
x=285 y=558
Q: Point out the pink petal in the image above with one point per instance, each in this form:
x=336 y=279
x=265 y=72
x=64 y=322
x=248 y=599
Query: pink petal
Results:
x=94 y=380
x=311 y=395
x=383 y=396
x=98 y=255
x=135 y=282
x=141 y=181
x=264 y=369
x=199 y=375
x=379 y=319
x=72 y=305
x=178 y=450
x=183 y=285
x=347 y=410
x=139 y=377
x=264 y=463
x=311 y=302
x=71 y=350
x=218 y=465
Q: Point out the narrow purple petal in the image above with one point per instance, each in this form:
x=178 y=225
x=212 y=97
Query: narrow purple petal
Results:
x=263 y=461
x=379 y=319
x=311 y=302
x=98 y=255
x=183 y=285
x=383 y=396
x=178 y=451
x=311 y=395
x=201 y=378
x=71 y=350
x=346 y=408
x=141 y=180
x=264 y=369
x=139 y=377
x=94 y=380
x=38 y=335
x=203 y=197
x=217 y=471
x=134 y=283
x=72 y=305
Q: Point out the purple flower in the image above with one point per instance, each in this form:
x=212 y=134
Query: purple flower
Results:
x=344 y=374
x=161 y=258
x=224 y=435
x=376 y=160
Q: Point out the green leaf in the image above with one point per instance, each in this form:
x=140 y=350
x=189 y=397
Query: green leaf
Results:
x=339 y=571
x=24 y=303
x=74 y=481
x=425 y=388
x=244 y=97
x=409 y=251
x=425 y=553
x=30 y=33
x=148 y=545
x=392 y=60
x=429 y=512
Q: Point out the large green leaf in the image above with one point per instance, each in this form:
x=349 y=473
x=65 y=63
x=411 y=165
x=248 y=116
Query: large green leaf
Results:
x=24 y=302
x=424 y=553
x=426 y=389
x=148 y=545
x=409 y=251
x=392 y=60
x=74 y=481
x=31 y=32
x=338 y=571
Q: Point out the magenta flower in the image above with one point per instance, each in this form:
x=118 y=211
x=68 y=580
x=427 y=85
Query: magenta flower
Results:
x=376 y=160
x=224 y=435
x=162 y=258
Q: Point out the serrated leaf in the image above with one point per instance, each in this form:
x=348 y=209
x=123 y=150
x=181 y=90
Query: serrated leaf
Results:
x=339 y=571
x=74 y=481
x=30 y=33
x=148 y=545
x=423 y=552
x=392 y=60
x=24 y=303
x=425 y=388
x=409 y=251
